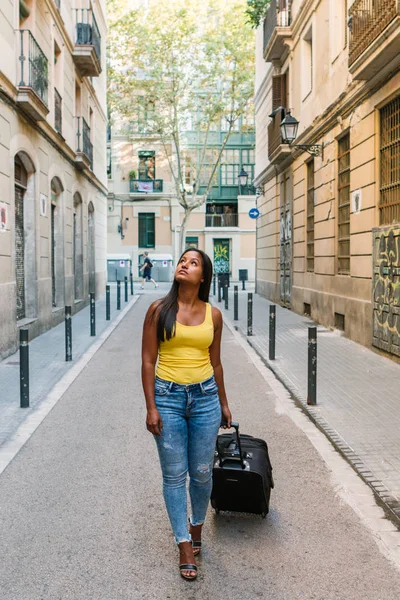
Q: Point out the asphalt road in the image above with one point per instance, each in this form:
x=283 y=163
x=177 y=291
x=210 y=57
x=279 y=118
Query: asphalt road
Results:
x=82 y=514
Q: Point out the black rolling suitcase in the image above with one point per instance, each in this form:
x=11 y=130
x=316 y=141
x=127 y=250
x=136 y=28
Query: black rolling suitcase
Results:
x=242 y=474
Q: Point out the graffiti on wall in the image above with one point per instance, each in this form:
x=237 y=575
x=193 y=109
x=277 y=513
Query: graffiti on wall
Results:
x=386 y=290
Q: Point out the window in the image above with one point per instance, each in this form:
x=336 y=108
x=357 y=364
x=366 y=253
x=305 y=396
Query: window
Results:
x=310 y=216
x=144 y=116
x=147 y=233
x=344 y=205
x=192 y=242
x=280 y=91
x=389 y=201
x=109 y=169
x=307 y=70
x=230 y=167
x=147 y=165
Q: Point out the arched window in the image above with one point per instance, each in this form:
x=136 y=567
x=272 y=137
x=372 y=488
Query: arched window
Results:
x=25 y=244
x=78 y=247
x=56 y=243
x=91 y=250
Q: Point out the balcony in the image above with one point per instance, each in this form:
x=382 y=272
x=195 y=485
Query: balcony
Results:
x=374 y=37
x=145 y=186
x=57 y=112
x=277 y=152
x=277 y=30
x=33 y=77
x=224 y=220
x=84 y=146
x=87 y=51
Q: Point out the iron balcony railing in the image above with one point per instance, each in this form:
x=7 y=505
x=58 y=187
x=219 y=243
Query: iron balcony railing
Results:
x=57 y=111
x=224 y=220
x=87 y=31
x=146 y=186
x=278 y=15
x=83 y=139
x=274 y=132
x=34 y=66
x=367 y=20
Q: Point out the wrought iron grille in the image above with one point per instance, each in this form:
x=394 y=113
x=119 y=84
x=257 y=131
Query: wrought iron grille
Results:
x=367 y=19
x=57 y=111
x=87 y=31
x=83 y=141
x=34 y=67
x=278 y=15
x=224 y=220
x=389 y=203
x=310 y=216
x=344 y=205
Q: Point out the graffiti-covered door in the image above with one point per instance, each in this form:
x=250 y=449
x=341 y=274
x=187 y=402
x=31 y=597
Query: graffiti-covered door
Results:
x=386 y=290
x=221 y=256
x=285 y=241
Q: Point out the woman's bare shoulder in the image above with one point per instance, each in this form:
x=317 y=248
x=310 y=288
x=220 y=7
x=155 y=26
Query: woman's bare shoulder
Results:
x=216 y=315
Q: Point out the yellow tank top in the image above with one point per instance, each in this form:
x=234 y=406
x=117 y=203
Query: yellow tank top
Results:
x=185 y=358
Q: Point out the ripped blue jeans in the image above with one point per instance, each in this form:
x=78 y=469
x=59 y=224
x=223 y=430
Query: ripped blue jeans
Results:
x=191 y=416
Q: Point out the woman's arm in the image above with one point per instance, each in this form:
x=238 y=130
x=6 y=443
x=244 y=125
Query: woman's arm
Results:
x=149 y=360
x=215 y=357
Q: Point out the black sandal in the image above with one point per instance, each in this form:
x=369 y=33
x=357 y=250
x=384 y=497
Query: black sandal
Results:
x=196 y=547
x=188 y=567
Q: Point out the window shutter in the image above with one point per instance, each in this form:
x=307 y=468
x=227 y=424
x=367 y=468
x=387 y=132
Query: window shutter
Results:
x=278 y=91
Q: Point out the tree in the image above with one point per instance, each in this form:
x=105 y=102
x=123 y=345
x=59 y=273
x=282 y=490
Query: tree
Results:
x=188 y=61
x=256 y=11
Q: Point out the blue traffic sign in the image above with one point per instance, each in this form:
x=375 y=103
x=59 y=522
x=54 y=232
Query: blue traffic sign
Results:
x=254 y=213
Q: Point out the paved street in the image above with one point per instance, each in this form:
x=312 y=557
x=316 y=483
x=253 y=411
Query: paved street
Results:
x=82 y=514
x=357 y=389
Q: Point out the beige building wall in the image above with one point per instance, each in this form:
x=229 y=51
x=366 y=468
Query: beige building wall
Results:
x=50 y=156
x=333 y=100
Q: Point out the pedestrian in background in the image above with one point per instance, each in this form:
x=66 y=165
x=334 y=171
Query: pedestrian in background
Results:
x=185 y=396
x=146 y=268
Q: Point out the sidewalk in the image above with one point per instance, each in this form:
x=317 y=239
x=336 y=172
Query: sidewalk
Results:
x=358 y=391
x=47 y=361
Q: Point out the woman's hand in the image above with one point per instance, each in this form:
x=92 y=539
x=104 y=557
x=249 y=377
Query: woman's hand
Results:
x=226 y=416
x=154 y=422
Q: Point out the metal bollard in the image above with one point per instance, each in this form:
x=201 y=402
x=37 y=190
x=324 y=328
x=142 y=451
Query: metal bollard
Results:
x=226 y=297
x=214 y=285
x=219 y=291
x=272 y=331
x=249 y=314
x=68 y=334
x=92 y=315
x=126 y=288
x=108 y=303
x=243 y=284
x=118 y=295
x=236 y=303
x=312 y=366
x=24 y=367
x=131 y=278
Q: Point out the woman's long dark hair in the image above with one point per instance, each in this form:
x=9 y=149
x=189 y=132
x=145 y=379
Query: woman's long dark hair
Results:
x=167 y=308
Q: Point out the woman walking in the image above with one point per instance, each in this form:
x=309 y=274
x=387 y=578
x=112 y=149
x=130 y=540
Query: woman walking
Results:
x=185 y=396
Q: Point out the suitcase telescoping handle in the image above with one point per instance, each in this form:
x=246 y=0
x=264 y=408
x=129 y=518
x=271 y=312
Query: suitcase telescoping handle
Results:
x=235 y=425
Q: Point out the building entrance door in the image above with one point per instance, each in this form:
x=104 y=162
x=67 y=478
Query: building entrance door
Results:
x=285 y=242
x=221 y=256
x=386 y=290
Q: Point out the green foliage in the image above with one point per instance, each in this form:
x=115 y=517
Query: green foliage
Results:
x=256 y=11
x=132 y=174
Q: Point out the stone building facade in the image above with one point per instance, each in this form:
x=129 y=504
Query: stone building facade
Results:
x=144 y=212
x=53 y=177
x=328 y=239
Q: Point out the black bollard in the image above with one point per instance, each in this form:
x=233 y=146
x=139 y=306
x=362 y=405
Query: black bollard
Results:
x=118 y=295
x=249 y=314
x=92 y=315
x=226 y=296
x=243 y=284
x=108 y=303
x=312 y=366
x=131 y=278
x=24 y=367
x=214 y=285
x=219 y=290
x=236 y=303
x=126 y=288
x=68 y=334
x=272 y=331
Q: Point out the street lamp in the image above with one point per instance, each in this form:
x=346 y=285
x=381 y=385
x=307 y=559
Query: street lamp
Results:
x=289 y=128
x=243 y=177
